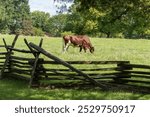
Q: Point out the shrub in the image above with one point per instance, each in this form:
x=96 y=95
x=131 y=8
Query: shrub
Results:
x=118 y=35
x=5 y=31
x=37 y=32
x=27 y=28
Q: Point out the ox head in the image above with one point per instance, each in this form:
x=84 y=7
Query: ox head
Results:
x=92 y=49
x=67 y=37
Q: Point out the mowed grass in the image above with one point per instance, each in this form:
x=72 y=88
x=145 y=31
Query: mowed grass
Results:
x=135 y=51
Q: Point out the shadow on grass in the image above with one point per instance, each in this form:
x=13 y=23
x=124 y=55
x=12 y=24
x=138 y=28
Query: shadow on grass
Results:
x=18 y=90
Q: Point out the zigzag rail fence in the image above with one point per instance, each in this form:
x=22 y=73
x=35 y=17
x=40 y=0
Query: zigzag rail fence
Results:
x=56 y=71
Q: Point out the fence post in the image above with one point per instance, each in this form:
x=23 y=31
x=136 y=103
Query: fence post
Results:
x=123 y=68
x=8 y=56
x=9 y=62
x=34 y=76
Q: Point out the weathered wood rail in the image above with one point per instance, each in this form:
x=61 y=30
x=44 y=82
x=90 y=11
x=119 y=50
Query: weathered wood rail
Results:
x=3 y=54
x=96 y=69
x=28 y=65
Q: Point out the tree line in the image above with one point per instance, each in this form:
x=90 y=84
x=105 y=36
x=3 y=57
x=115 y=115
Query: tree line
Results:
x=97 y=18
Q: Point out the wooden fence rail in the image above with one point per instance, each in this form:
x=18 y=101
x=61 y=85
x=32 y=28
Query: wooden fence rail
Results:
x=3 y=53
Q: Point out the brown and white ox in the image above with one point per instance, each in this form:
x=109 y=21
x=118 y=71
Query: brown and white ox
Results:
x=81 y=41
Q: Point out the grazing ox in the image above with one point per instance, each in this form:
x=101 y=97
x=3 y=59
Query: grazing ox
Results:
x=81 y=41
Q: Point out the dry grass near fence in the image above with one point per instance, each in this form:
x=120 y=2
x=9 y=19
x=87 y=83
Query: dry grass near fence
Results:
x=135 y=51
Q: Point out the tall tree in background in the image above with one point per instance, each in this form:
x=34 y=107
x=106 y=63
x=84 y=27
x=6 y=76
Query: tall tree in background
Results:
x=40 y=20
x=130 y=17
x=74 y=22
x=3 y=26
x=14 y=13
x=111 y=17
x=57 y=24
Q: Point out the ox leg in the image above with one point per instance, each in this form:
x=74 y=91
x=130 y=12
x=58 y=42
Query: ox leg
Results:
x=67 y=46
x=80 y=48
x=85 y=49
x=64 y=47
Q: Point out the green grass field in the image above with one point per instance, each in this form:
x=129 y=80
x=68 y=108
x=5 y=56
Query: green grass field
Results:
x=135 y=51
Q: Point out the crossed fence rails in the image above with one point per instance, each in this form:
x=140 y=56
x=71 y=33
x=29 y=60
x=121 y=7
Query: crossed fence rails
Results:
x=36 y=69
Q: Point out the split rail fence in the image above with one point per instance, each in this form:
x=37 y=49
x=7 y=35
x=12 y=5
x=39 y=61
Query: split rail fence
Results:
x=54 y=70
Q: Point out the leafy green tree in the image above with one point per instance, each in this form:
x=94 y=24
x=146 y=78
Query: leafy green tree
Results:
x=3 y=26
x=40 y=20
x=111 y=17
x=14 y=12
x=27 y=28
x=74 y=23
x=91 y=22
x=37 y=32
x=128 y=17
x=56 y=24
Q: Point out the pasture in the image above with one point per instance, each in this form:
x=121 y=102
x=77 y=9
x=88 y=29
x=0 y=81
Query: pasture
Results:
x=135 y=51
